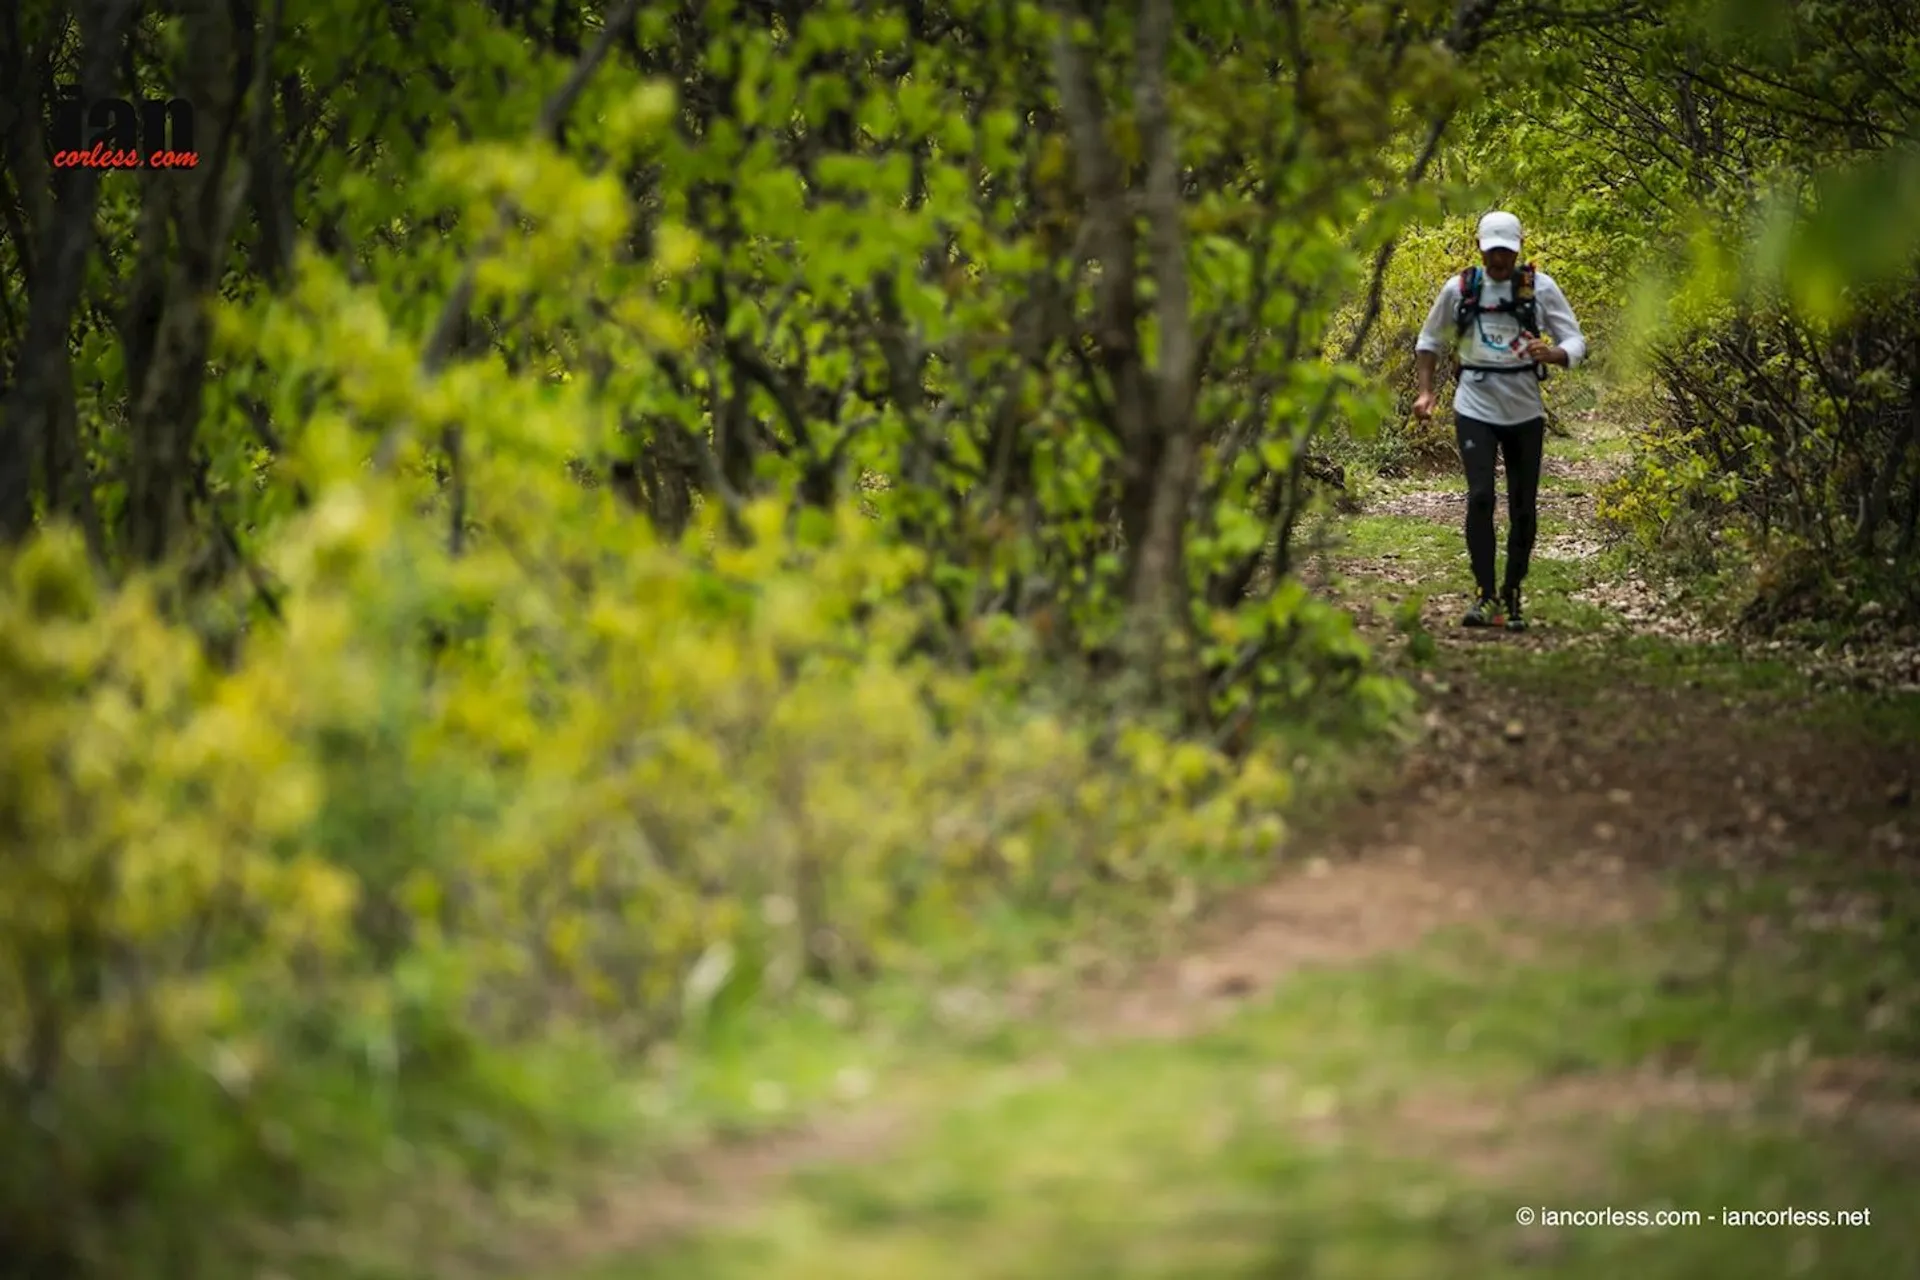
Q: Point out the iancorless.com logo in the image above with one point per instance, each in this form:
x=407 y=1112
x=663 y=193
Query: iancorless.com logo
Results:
x=113 y=133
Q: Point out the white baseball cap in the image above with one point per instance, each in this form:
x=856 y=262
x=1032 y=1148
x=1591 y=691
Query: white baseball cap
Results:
x=1500 y=230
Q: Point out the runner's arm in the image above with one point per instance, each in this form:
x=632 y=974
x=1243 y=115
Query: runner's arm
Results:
x=1557 y=314
x=1434 y=334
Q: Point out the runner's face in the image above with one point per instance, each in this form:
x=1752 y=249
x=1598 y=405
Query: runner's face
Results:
x=1499 y=262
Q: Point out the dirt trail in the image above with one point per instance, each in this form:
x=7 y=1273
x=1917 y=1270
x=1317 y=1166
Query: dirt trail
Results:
x=1541 y=801
x=1531 y=805
x=1524 y=803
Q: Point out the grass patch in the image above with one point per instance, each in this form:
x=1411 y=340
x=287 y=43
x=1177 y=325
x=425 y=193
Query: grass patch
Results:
x=1891 y=718
x=1381 y=558
x=1609 y=662
x=1273 y=1147
x=1596 y=442
x=1417 y=542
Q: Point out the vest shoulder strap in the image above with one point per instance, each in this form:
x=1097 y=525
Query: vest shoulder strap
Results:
x=1469 y=304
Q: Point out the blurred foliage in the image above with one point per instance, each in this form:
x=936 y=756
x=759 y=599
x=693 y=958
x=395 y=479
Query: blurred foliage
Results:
x=307 y=914
x=1797 y=455
x=566 y=518
x=1789 y=433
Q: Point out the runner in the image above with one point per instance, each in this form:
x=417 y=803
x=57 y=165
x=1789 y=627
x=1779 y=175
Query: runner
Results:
x=1490 y=319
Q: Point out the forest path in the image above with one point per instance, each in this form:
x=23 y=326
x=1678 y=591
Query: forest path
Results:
x=1633 y=927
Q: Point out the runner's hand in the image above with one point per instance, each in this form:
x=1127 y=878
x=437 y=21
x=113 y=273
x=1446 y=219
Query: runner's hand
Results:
x=1423 y=405
x=1542 y=351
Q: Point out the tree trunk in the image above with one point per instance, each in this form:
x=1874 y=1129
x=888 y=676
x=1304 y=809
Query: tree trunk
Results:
x=1160 y=598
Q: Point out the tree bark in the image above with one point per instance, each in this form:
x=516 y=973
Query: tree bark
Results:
x=1159 y=595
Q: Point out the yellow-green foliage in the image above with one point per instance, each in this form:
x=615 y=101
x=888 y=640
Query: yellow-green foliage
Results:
x=359 y=854
x=506 y=783
x=1670 y=474
x=1424 y=258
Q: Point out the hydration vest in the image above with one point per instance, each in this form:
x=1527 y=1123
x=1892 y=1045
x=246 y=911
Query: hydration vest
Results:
x=1522 y=306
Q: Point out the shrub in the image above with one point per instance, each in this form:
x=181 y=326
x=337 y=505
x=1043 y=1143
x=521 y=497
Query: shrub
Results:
x=521 y=680
x=1789 y=443
x=335 y=913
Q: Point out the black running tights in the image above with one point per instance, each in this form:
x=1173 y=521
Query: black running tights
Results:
x=1520 y=447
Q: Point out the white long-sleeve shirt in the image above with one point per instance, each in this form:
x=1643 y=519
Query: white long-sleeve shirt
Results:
x=1505 y=399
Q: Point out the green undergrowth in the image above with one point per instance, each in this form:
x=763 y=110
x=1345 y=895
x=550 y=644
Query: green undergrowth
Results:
x=1622 y=666
x=984 y=991
x=1325 y=1131
x=1425 y=544
x=356 y=914
x=1628 y=663
x=1607 y=439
